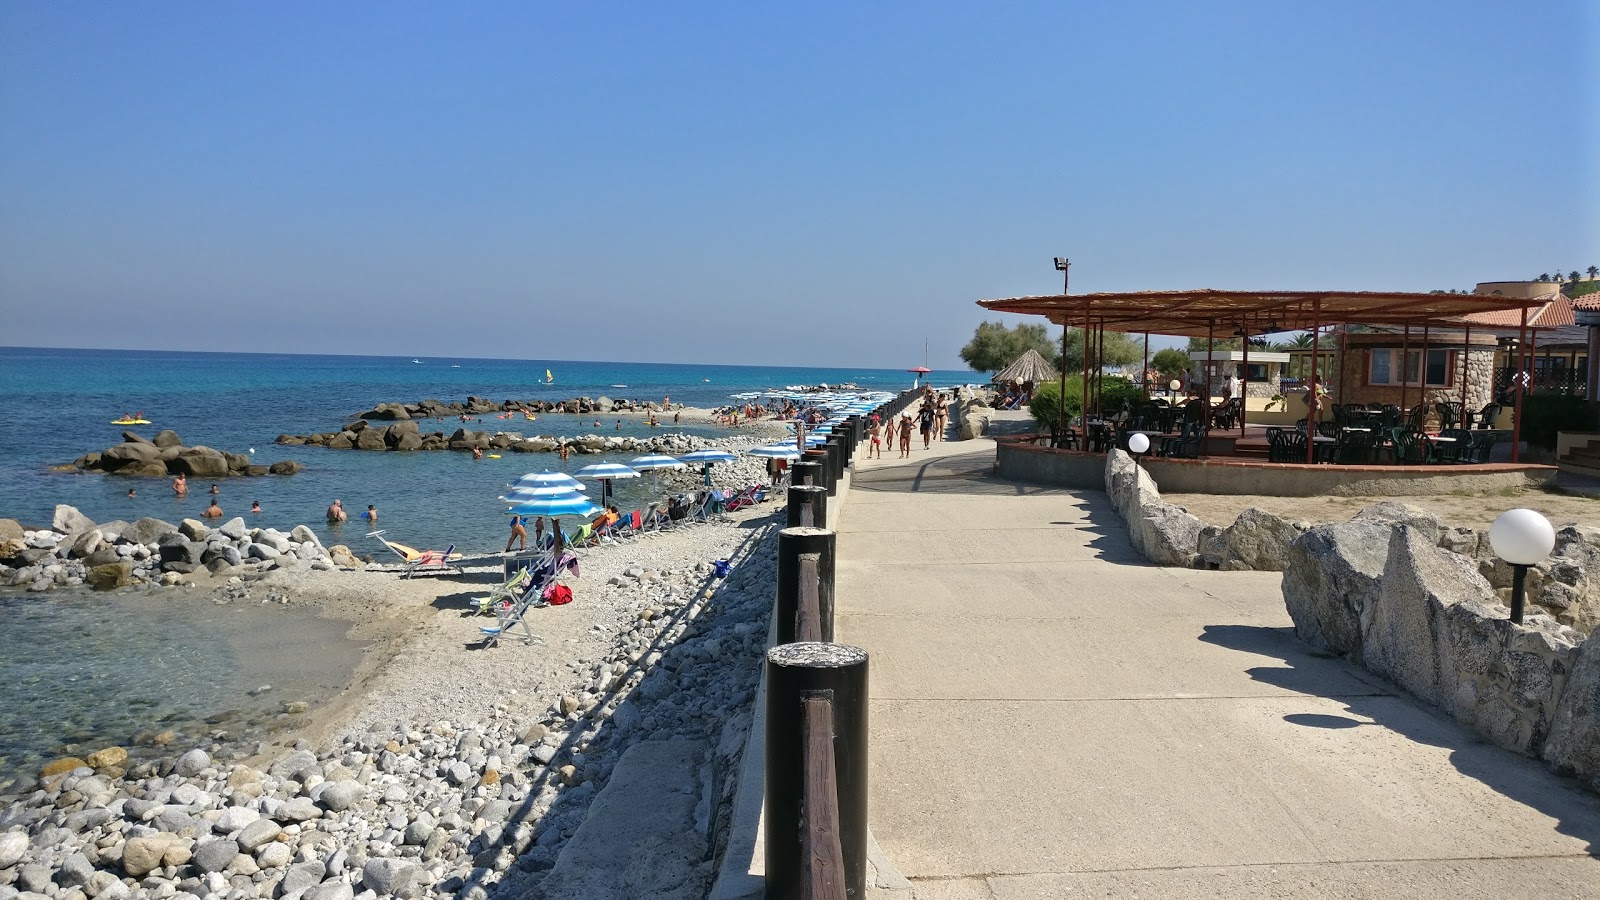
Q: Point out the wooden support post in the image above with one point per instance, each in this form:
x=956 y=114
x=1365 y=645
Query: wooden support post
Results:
x=797 y=673
x=1313 y=401
x=1522 y=352
x=793 y=543
x=808 y=506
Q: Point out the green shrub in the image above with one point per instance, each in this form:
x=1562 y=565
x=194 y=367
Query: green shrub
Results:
x=1545 y=414
x=1045 y=407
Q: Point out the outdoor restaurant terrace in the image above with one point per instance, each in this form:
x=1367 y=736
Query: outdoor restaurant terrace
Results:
x=1433 y=409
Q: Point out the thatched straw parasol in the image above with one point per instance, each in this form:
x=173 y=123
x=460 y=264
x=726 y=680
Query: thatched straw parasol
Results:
x=1029 y=368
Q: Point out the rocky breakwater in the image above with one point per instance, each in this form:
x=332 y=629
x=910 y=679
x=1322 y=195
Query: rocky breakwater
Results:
x=75 y=550
x=406 y=436
x=477 y=406
x=433 y=808
x=165 y=454
x=1384 y=592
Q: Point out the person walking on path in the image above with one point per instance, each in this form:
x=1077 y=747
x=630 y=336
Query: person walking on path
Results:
x=941 y=414
x=905 y=436
x=874 y=435
x=925 y=423
x=518 y=533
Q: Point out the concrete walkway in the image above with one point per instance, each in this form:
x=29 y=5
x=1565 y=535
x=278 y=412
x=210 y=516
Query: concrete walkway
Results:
x=1052 y=717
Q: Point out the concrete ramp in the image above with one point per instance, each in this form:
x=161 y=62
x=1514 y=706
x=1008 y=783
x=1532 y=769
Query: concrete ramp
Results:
x=646 y=834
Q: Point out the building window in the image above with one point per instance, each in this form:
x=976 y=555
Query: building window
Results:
x=1383 y=367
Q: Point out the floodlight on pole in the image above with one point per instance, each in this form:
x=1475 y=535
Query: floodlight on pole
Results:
x=1521 y=537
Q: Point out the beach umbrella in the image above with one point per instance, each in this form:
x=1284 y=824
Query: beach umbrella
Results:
x=651 y=462
x=570 y=503
x=919 y=371
x=604 y=472
x=548 y=479
x=706 y=458
x=775 y=451
x=521 y=495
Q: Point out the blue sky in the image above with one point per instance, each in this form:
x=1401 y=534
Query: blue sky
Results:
x=744 y=183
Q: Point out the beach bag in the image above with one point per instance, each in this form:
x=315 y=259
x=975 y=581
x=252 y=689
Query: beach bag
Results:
x=720 y=567
x=558 y=595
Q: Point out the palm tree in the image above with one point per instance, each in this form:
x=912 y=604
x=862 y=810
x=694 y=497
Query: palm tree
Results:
x=1544 y=276
x=1594 y=272
x=1573 y=275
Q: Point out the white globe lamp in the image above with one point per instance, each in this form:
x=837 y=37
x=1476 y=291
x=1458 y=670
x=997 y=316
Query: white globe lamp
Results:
x=1139 y=443
x=1521 y=537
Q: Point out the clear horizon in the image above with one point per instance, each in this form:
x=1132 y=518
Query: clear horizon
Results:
x=719 y=180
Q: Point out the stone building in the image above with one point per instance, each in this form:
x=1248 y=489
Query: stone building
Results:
x=1265 y=375
x=1369 y=367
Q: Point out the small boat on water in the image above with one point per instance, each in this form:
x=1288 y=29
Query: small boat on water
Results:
x=619 y=385
x=417 y=361
x=455 y=365
x=135 y=419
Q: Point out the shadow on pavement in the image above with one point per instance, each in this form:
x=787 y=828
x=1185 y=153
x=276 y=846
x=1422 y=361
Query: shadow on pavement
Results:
x=1524 y=780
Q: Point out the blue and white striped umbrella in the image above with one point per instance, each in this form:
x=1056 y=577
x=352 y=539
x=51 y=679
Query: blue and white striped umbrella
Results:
x=570 y=504
x=656 y=461
x=775 y=451
x=708 y=456
x=522 y=495
x=548 y=479
x=606 y=471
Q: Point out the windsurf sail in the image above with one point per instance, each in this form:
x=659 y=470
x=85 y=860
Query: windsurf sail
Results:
x=548 y=377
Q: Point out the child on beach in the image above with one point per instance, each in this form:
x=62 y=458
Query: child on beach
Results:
x=371 y=513
x=905 y=436
x=874 y=433
x=925 y=422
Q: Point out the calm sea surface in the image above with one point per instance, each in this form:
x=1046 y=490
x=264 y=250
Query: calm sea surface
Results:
x=61 y=403
x=86 y=670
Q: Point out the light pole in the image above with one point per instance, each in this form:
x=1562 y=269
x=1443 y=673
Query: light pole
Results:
x=1063 y=265
x=1521 y=537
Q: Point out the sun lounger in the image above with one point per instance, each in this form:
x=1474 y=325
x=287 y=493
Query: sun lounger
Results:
x=421 y=560
x=512 y=611
x=511 y=587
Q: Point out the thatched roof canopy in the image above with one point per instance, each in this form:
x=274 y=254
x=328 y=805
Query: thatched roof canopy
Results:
x=1030 y=367
x=1194 y=313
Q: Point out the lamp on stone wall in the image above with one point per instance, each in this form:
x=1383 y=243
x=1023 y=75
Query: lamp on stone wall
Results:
x=1521 y=537
x=1139 y=443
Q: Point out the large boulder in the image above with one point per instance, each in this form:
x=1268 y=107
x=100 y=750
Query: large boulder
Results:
x=372 y=439
x=194 y=529
x=237 y=462
x=1574 y=743
x=122 y=454
x=344 y=440
x=1167 y=535
x=1331 y=574
x=1424 y=522
x=148 y=531
x=67 y=520
x=166 y=437
x=110 y=575
x=10 y=529
x=150 y=468
x=1259 y=541
x=1570 y=585
x=200 y=462
x=408 y=441
x=86 y=543
x=284 y=467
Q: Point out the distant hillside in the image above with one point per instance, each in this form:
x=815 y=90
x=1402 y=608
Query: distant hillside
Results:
x=1576 y=289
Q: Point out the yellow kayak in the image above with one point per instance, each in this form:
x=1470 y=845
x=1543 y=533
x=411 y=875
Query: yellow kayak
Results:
x=130 y=422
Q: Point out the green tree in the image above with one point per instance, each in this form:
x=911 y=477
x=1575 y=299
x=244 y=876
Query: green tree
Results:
x=1170 y=362
x=1115 y=393
x=994 y=346
x=1594 y=271
x=1199 y=343
x=1120 y=349
x=1573 y=275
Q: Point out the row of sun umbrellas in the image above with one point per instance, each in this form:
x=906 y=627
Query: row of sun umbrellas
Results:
x=557 y=494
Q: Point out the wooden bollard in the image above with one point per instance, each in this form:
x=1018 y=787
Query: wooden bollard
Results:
x=797 y=673
x=807 y=502
x=793 y=543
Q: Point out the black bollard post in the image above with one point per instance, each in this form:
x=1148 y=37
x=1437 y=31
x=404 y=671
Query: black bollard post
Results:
x=806 y=472
x=807 y=502
x=824 y=476
x=835 y=447
x=792 y=544
x=797 y=673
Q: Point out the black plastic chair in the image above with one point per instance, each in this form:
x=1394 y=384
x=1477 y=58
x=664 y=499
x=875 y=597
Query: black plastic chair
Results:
x=1488 y=415
x=1355 y=448
x=1410 y=448
x=1480 y=447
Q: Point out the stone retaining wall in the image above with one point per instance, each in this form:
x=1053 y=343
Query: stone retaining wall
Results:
x=1385 y=595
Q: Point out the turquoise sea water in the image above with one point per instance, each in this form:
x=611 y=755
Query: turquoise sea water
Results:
x=62 y=401
x=100 y=668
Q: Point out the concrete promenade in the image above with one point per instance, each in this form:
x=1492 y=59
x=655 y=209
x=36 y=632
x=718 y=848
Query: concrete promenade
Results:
x=1053 y=717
